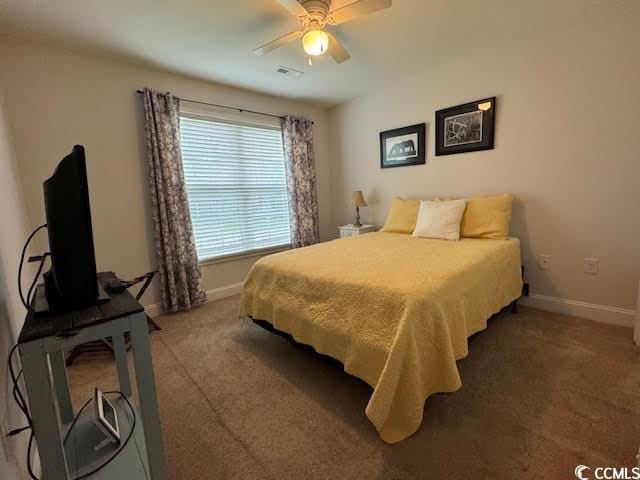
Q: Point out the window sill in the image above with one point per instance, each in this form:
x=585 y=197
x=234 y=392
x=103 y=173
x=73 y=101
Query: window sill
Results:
x=241 y=255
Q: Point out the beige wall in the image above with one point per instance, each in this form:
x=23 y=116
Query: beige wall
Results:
x=566 y=145
x=13 y=233
x=56 y=99
x=567 y=103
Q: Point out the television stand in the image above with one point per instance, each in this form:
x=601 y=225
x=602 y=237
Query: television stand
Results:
x=41 y=305
x=106 y=344
x=41 y=345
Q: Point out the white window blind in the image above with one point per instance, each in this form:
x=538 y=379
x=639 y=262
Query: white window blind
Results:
x=236 y=184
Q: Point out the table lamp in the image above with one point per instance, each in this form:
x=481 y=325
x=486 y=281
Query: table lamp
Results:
x=358 y=201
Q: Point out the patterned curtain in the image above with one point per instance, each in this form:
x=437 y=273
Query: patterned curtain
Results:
x=180 y=276
x=297 y=138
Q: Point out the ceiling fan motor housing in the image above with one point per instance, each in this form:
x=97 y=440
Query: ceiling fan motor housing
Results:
x=318 y=10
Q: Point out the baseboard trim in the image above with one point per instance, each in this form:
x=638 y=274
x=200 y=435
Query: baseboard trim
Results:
x=599 y=313
x=225 y=291
x=155 y=309
x=591 y=311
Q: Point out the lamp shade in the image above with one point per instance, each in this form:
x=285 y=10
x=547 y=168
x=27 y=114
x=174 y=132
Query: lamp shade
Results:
x=315 y=42
x=358 y=199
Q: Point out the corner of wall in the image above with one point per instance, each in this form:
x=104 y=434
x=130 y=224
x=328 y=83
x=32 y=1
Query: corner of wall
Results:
x=13 y=232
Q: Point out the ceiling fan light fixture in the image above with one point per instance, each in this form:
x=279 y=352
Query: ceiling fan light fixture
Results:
x=315 y=42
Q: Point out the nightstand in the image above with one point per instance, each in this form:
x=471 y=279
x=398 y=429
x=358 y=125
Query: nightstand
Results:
x=350 y=230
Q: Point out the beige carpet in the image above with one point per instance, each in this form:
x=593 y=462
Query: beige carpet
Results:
x=541 y=393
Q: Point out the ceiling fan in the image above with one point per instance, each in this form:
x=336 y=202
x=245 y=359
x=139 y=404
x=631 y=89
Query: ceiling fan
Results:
x=315 y=16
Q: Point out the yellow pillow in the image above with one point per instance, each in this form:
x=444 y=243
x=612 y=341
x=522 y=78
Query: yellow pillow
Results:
x=487 y=217
x=403 y=216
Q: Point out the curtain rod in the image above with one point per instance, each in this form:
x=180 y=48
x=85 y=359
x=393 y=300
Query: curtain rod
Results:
x=241 y=110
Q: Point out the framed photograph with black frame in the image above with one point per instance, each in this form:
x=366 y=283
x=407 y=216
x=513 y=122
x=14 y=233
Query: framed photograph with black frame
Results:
x=466 y=128
x=403 y=146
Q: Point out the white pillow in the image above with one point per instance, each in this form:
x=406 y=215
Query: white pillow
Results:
x=440 y=219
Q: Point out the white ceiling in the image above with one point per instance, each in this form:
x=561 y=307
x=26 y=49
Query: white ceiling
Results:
x=213 y=39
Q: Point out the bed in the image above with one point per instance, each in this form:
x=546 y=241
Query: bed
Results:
x=394 y=309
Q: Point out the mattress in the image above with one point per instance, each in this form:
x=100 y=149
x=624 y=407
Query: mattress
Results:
x=395 y=310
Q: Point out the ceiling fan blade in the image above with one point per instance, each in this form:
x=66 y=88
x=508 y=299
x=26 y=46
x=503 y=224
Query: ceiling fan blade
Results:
x=357 y=9
x=277 y=43
x=336 y=50
x=294 y=7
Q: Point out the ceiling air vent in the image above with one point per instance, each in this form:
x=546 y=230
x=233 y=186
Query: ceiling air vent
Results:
x=291 y=72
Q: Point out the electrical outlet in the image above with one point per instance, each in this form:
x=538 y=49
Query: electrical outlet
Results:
x=544 y=262
x=591 y=266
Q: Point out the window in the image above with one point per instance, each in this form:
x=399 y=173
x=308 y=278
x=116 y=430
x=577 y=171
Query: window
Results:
x=235 y=179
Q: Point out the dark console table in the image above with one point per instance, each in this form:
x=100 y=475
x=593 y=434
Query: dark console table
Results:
x=42 y=342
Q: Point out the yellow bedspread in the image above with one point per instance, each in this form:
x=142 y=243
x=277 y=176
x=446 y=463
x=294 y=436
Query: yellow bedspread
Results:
x=394 y=309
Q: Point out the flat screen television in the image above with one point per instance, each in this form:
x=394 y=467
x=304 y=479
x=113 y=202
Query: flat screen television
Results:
x=71 y=282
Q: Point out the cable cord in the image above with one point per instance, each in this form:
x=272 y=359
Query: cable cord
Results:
x=122 y=446
x=24 y=251
x=35 y=280
x=73 y=424
x=17 y=393
x=29 y=467
x=22 y=404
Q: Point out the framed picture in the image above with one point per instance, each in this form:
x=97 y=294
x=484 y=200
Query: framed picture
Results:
x=465 y=128
x=402 y=146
